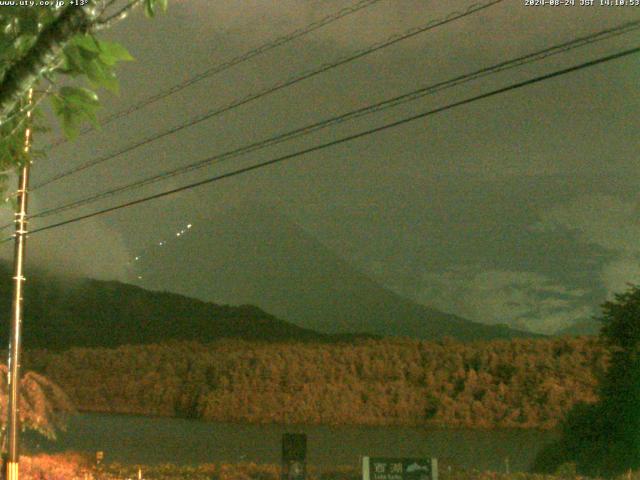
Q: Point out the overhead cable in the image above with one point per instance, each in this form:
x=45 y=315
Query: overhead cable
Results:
x=275 y=88
x=341 y=140
x=367 y=110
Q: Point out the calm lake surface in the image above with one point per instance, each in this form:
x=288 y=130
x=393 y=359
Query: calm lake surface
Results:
x=151 y=440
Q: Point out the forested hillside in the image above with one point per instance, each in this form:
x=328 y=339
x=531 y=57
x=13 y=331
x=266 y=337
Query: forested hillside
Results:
x=518 y=383
x=65 y=313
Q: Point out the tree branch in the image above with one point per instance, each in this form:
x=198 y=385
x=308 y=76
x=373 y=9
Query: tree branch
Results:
x=121 y=14
x=24 y=73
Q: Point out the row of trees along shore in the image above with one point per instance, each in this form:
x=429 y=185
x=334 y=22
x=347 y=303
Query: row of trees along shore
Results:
x=519 y=383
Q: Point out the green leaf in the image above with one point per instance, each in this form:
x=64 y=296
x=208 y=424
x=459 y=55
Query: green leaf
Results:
x=79 y=96
x=150 y=8
x=73 y=105
x=13 y=149
x=86 y=42
x=73 y=61
x=67 y=115
x=6 y=43
x=29 y=24
x=39 y=122
x=24 y=42
x=88 y=55
x=46 y=16
x=101 y=75
x=111 y=53
x=70 y=124
x=95 y=59
x=6 y=156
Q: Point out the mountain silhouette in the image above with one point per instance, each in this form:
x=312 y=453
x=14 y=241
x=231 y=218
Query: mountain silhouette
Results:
x=60 y=313
x=587 y=326
x=251 y=255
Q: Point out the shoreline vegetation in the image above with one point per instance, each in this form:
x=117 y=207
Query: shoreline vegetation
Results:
x=520 y=383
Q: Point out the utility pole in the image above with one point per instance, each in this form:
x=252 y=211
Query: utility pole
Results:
x=13 y=381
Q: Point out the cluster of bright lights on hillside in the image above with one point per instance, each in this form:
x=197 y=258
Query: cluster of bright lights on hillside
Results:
x=162 y=243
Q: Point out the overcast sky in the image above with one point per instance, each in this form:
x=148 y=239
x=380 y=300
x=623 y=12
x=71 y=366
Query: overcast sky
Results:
x=519 y=209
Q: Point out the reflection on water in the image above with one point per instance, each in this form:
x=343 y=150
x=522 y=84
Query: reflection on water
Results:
x=150 y=440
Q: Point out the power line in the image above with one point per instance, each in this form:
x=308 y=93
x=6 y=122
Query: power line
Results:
x=279 y=86
x=338 y=141
x=411 y=96
x=294 y=35
x=377 y=107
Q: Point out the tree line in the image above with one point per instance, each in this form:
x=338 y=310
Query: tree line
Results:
x=523 y=383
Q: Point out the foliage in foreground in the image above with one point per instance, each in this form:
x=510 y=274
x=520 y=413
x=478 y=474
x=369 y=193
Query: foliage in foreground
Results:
x=518 y=383
x=68 y=466
x=55 y=51
x=604 y=438
x=72 y=466
x=43 y=404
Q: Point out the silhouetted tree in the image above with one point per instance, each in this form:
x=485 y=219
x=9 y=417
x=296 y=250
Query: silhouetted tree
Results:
x=604 y=438
x=42 y=404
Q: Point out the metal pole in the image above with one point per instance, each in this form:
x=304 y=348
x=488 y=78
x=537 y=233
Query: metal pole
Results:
x=16 y=308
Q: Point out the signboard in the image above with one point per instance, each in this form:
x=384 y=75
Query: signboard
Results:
x=294 y=456
x=294 y=447
x=384 y=468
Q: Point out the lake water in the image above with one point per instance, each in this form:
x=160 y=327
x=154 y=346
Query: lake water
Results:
x=152 y=440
